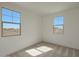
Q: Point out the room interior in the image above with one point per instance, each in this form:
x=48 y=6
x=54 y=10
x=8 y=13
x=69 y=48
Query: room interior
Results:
x=37 y=33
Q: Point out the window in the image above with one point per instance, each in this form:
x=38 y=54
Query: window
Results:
x=10 y=24
x=58 y=24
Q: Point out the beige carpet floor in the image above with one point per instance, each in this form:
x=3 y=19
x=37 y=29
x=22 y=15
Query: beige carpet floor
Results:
x=44 y=49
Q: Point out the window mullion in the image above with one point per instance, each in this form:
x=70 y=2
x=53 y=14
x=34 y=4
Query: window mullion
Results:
x=9 y=26
x=12 y=17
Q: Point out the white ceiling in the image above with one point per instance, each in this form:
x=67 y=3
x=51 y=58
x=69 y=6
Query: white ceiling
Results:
x=48 y=7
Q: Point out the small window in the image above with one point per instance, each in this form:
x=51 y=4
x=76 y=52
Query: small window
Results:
x=58 y=24
x=11 y=24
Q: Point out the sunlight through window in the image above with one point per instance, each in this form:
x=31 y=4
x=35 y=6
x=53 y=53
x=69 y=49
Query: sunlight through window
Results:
x=44 y=48
x=33 y=52
x=39 y=50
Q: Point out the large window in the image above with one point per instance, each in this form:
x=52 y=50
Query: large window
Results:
x=11 y=24
x=58 y=24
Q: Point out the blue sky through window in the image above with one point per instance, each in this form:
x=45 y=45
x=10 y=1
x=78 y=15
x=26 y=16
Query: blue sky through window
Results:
x=10 y=16
x=58 y=27
x=6 y=18
x=6 y=11
x=58 y=22
x=7 y=25
x=16 y=19
x=16 y=14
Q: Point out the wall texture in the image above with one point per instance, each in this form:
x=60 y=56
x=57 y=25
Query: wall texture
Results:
x=31 y=31
x=70 y=38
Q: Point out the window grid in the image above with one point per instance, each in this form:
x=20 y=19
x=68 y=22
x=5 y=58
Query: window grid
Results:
x=10 y=22
x=11 y=16
x=57 y=25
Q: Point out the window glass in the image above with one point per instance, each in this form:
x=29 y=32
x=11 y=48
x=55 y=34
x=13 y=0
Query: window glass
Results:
x=16 y=14
x=11 y=22
x=58 y=25
x=10 y=29
x=8 y=25
x=59 y=20
x=6 y=18
x=16 y=19
x=6 y=12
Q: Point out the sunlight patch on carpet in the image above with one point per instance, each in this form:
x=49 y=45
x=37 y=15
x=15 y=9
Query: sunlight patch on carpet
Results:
x=33 y=52
x=44 y=48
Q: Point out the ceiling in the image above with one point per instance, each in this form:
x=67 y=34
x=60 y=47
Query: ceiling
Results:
x=47 y=7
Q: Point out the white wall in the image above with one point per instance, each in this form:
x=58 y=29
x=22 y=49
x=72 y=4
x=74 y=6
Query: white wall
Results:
x=31 y=31
x=70 y=38
x=34 y=30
